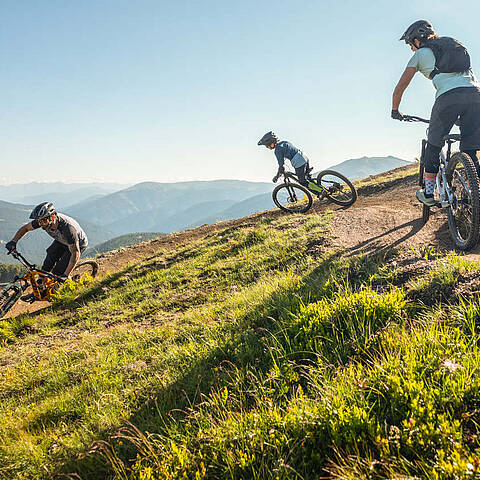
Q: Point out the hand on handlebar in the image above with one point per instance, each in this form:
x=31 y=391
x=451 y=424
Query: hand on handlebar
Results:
x=281 y=171
x=396 y=115
x=11 y=246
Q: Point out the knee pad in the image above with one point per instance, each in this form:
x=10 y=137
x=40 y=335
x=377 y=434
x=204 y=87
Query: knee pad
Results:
x=432 y=158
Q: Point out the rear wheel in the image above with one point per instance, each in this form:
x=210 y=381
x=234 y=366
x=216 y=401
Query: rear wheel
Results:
x=464 y=210
x=293 y=198
x=84 y=269
x=338 y=188
x=8 y=297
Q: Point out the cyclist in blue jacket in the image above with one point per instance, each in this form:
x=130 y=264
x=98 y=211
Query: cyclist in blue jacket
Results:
x=446 y=62
x=285 y=150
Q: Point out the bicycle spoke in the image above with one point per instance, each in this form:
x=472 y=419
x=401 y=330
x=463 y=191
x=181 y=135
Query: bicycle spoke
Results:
x=292 y=198
x=337 y=187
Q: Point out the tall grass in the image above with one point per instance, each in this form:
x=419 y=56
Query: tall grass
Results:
x=250 y=353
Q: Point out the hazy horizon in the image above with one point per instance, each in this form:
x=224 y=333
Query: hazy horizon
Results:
x=5 y=183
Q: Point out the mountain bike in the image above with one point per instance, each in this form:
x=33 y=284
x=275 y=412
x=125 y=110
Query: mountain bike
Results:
x=44 y=284
x=458 y=191
x=291 y=196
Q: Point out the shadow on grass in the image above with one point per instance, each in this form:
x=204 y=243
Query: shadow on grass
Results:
x=242 y=345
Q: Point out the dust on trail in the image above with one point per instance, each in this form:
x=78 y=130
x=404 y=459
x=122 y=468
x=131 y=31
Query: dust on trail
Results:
x=384 y=216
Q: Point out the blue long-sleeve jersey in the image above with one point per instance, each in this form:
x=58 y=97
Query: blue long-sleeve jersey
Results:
x=285 y=150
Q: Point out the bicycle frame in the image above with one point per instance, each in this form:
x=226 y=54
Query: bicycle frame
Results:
x=288 y=177
x=444 y=193
x=43 y=283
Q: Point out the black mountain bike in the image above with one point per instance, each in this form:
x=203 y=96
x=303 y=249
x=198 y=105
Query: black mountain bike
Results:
x=292 y=197
x=458 y=191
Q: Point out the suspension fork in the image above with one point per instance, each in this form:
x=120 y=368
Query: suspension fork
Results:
x=290 y=190
x=446 y=196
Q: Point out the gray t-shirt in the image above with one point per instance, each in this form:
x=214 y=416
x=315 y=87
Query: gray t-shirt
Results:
x=423 y=61
x=68 y=231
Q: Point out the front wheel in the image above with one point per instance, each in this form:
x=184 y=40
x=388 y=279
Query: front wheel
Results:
x=292 y=198
x=8 y=297
x=338 y=188
x=464 y=210
x=89 y=268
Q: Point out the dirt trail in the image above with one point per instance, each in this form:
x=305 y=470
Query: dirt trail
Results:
x=384 y=216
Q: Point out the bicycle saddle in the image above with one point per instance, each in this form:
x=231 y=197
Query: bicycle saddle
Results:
x=452 y=137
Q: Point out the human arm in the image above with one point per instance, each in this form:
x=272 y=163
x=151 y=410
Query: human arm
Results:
x=280 y=171
x=28 y=227
x=402 y=85
x=74 y=257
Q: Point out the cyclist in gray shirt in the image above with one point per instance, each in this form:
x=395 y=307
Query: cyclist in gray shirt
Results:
x=446 y=62
x=70 y=241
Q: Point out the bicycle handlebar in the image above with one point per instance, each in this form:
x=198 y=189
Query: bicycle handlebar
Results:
x=18 y=256
x=413 y=118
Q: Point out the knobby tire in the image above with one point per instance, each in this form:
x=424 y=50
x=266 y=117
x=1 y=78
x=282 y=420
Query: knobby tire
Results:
x=351 y=188
x=287 y=186
x=8 y=297
x=471 y=239
x=90 y=265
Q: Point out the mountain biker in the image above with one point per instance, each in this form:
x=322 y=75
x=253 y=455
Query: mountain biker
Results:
x=285 y=150
x=446 y=62
x=70 y=241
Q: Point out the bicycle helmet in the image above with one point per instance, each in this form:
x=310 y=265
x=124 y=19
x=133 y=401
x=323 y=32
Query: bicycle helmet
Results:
x=421 y=30
x=42 y=210
x=268 y=139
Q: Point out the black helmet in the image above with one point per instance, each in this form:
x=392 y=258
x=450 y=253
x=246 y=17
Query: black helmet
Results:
x=421 y=29
x=45 y=209
x=268 y=139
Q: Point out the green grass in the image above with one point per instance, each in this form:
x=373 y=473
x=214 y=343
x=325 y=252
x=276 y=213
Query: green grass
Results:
x=250 y=354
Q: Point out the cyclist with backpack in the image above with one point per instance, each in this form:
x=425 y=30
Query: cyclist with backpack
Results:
x=285 y=150
x=70 y=241
x=446 y=62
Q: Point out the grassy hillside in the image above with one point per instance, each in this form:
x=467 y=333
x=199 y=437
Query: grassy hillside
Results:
x=121 y=241
x=257 y=351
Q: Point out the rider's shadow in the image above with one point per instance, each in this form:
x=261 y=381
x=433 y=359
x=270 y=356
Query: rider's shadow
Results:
x=374 y=244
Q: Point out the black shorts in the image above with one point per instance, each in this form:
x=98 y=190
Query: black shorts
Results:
x=58 y=258
x=463 y=103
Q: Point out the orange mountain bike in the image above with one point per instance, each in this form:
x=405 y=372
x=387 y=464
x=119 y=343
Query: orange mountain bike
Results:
x=44 y=284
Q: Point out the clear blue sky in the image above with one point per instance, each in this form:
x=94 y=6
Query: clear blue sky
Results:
x=122 y=90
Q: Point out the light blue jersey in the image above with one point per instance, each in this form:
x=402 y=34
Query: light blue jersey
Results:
x=423 y=61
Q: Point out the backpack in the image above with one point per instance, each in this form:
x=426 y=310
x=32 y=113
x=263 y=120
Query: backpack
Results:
x=450 y=55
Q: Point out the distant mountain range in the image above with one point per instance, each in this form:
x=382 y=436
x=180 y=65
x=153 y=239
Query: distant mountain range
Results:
x=357 y=168
x=165 y=207
x=62 y=194
x=107 y=211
